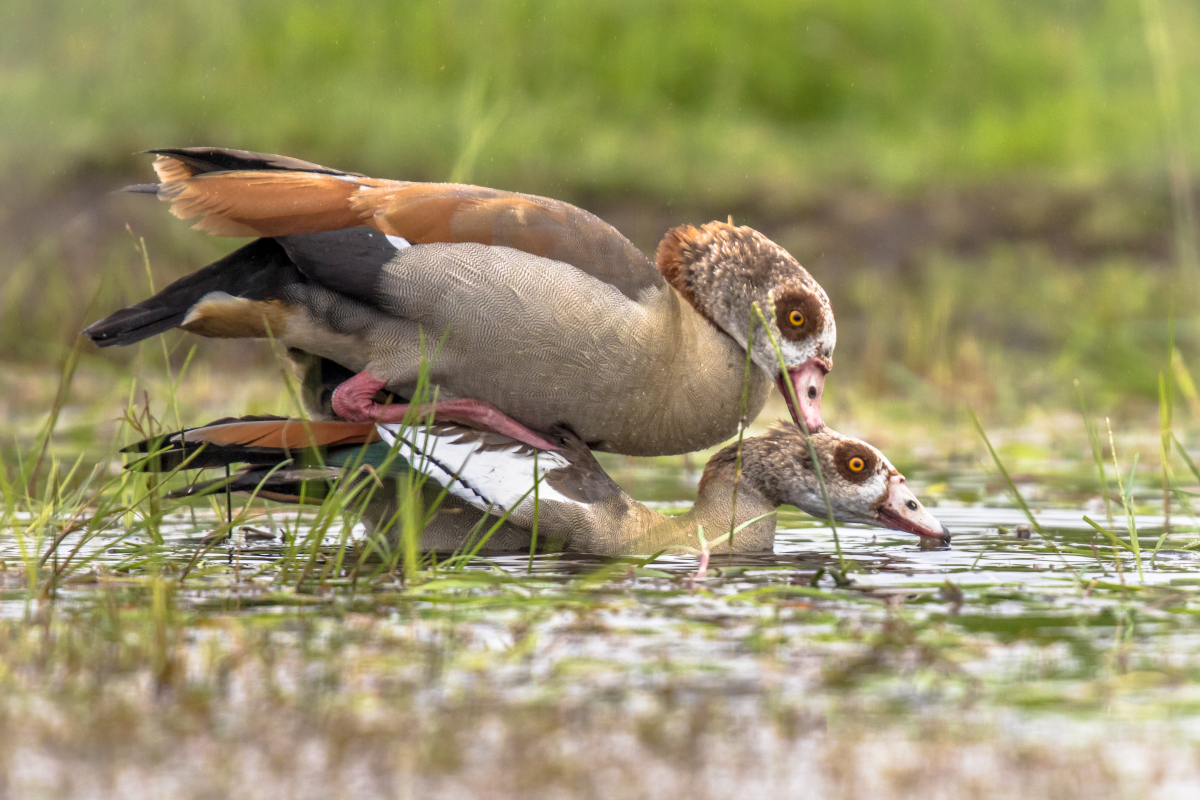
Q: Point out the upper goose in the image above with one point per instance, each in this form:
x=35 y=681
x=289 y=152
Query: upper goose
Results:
x=540 y=313
x=580 y=508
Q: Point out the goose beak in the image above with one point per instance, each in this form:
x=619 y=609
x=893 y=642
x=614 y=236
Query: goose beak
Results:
x=901 y=511
x=808 y=380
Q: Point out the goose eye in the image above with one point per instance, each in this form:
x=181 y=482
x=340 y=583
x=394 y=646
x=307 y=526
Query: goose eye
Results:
x=856 y=464
x=796 y=318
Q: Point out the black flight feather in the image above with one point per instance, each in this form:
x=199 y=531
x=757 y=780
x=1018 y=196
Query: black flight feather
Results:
x=257 y=271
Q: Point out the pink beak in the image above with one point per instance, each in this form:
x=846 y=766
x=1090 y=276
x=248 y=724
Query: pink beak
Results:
x=809 y=382
x=901 y=511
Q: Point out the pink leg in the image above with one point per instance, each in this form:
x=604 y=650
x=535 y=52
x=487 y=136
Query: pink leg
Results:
x=702 y=568
x=352 y=402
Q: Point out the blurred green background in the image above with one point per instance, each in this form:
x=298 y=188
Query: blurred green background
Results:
x=997 y=195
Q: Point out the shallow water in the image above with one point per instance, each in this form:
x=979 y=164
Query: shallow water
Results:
x=1011 y=645
x=985 y=546
x=987 y=554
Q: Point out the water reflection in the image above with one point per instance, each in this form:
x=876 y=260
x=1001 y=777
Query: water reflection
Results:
x=985 y=550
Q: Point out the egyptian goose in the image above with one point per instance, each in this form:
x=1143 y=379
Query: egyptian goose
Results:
x=580 y=508
x=540 y=314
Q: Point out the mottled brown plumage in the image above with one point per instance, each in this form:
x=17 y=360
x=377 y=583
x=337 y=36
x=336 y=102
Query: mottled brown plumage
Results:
x=580 y=508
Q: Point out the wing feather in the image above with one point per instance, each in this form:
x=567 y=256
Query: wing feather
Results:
x=283 y=434
x=487 y=470
x=238 y=193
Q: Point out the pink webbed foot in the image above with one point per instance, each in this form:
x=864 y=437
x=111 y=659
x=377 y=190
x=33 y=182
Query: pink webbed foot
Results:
x=352 y=401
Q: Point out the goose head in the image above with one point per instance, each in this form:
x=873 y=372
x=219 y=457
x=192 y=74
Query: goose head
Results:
x=862 y=485
x=722 y=270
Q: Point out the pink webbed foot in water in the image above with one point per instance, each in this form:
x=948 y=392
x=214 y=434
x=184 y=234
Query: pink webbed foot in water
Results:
x=352 y=402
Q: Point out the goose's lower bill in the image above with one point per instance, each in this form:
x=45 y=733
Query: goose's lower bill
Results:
x=902 y=511
x=809 y=382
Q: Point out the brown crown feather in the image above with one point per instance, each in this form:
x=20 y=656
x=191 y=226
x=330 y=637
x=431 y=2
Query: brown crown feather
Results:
x=682 y=247
x=675 y=252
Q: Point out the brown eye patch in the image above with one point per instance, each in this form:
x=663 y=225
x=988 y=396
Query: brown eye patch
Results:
x=855 y=461
x=798 y=314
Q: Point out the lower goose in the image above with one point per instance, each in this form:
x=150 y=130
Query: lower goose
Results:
x=475 y=473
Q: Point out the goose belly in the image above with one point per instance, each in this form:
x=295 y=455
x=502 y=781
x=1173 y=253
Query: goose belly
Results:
x=643 y=385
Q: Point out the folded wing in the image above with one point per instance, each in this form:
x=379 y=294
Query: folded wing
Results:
x=237 y=193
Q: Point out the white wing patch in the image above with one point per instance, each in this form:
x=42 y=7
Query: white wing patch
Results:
x=398 y=242
x=490 y=479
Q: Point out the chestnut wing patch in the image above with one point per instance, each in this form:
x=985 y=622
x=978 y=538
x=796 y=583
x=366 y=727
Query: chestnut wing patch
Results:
x=239 y=193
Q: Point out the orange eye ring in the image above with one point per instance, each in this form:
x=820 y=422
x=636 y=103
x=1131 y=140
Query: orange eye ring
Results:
x=796 y=318
x=856 y=464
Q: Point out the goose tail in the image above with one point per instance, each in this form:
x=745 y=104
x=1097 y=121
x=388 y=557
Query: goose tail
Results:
x=229 y=298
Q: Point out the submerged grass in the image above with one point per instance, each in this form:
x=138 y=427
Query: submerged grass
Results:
x=150 y=647
x=340 y=632
x=182 y=645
